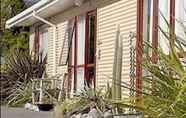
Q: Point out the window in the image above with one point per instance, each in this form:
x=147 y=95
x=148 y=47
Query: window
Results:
x=81 y=61
x=43 y=47
x=156 y=14
x=39 y=43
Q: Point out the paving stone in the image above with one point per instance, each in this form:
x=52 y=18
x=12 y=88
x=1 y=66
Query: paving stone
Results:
x=7 y=112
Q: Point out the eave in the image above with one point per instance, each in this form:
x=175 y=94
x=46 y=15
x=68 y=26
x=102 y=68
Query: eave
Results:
x=44 y=9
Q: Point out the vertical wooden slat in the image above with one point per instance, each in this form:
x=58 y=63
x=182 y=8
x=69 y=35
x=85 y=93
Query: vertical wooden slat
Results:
x=155 y=30
x=139 y=46
x=86 y=46
x=172 y=23
x=95 y=31
x=70 y=68
x=36 y=42
x=75 y=55
x=172 y=15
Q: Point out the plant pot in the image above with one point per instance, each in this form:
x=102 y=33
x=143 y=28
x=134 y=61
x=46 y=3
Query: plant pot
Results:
x=134 y=115
x=45 y=107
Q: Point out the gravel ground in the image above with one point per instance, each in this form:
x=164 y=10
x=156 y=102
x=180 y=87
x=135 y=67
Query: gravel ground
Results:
x=22 y=113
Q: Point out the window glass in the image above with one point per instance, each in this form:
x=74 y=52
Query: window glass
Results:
x=147 y=24
x=80 y=52
x=91 y=49
x=91 y=39
x=180 y=15
x=80 y=79
x=71 y=42
x=43 y=43
x=163 y=17
x=80 y=40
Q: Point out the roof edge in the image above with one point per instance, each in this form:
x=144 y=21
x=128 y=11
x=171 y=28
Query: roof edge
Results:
x=27 y=12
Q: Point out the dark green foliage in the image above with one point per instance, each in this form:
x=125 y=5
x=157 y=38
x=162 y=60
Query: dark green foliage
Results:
x=16 y=38
x=10 y=8
x=20 y=68
x=10 y=42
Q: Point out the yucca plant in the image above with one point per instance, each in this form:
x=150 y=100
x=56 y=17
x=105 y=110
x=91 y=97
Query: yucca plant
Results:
x=164 y=88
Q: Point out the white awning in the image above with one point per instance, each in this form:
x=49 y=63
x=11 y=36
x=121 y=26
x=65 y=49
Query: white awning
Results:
x=44 y=9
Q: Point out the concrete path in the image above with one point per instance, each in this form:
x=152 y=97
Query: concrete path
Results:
x=22 y=113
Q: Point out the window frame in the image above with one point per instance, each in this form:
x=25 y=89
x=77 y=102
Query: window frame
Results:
x=73 y=68
x=139 y=41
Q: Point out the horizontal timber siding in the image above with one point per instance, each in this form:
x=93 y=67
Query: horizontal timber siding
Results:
x=61 y=21
x=59 y=43
x=109 y=14
x=50 y=56
x=121 y=12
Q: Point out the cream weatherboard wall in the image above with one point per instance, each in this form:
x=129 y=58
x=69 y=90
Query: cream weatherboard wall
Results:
x=61 y=22
x=122 y=12
x=110 y=13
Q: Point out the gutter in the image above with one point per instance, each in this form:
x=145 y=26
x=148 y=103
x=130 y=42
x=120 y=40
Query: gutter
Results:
x=44 y=8
x=54 y=36
x=27 y=12
x=42 y=5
